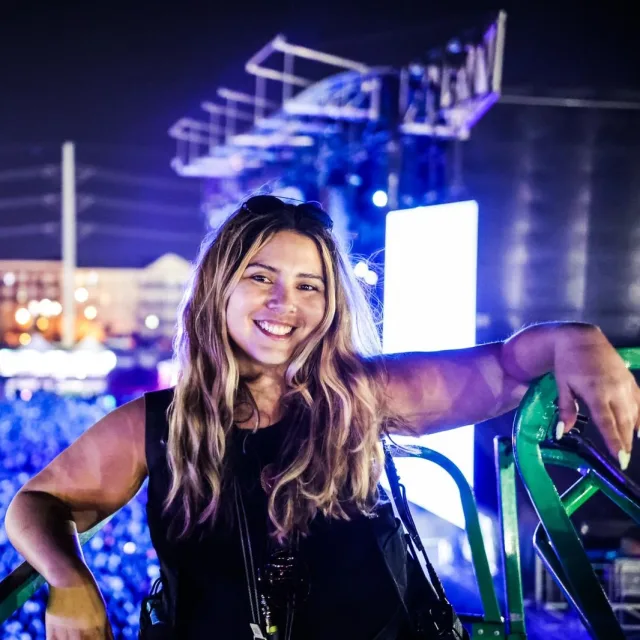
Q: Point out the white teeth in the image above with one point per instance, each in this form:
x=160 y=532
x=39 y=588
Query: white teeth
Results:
x=276 y=329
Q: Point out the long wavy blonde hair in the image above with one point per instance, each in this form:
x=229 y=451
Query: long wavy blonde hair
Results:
x=334 y=462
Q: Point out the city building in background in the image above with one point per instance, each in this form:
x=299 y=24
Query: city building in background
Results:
x=118 y=306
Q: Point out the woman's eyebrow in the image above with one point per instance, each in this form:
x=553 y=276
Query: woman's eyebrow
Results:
x=267 y=267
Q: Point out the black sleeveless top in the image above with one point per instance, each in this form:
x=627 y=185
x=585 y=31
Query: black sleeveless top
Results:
x=353 y=592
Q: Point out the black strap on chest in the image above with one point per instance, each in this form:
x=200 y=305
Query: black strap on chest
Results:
x=434 y=617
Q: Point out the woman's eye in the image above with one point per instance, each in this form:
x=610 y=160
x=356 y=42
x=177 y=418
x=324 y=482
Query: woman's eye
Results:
x=259 y=278
x=308 y=287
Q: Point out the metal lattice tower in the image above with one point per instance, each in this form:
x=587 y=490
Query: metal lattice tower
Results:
x=352 y=111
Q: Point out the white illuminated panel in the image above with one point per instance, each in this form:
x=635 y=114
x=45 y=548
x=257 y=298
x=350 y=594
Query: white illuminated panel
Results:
x=430 y=305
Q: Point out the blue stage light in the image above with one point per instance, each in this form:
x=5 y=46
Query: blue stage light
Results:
x=380 y=199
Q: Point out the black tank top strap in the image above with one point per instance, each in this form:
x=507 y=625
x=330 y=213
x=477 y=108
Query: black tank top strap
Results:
x=156 y=427
x=156 y=436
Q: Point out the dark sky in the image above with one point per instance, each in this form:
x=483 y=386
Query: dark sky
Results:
x=119 y=73
x=114 y=76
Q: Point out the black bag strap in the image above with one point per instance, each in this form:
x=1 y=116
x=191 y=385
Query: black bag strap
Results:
x=447 y=623
x=399 y=496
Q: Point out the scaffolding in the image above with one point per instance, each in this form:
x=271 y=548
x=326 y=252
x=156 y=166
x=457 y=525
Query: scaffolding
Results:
x=442 y=97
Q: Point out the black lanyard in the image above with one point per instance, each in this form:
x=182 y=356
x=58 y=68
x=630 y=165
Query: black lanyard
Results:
x=258 y=601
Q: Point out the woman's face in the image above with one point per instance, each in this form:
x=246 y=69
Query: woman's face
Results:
x=278 y=302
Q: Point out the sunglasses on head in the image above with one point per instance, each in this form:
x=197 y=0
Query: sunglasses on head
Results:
x=268 y=204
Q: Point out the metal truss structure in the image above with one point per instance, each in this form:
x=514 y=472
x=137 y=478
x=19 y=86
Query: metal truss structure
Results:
x=440 y=98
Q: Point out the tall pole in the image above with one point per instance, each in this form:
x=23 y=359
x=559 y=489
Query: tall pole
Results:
x=68 y=244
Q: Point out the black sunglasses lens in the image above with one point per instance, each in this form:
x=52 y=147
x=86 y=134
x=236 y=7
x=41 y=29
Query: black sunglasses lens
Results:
x=264 y=204
x=317 y=213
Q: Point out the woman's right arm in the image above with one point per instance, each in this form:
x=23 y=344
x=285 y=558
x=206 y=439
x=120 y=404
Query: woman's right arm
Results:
x=91 y=479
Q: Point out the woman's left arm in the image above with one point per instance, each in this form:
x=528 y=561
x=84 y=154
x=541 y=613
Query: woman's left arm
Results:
x=439 y=390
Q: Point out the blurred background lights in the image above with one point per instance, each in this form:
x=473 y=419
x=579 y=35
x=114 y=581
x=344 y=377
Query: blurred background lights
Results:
x=9 y=279
x=371 y=277
x=55 y=308
x=361 y=269
x=90 y=312
x=152 y=322
x=23 y=316
x=81 y=295
x=380 y=198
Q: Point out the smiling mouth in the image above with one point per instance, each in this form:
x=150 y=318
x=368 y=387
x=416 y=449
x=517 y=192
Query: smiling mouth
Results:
x=275 y=331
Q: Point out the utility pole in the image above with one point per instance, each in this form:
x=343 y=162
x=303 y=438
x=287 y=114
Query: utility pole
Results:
x=68 y=245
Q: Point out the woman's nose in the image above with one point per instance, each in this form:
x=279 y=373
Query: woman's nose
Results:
x=281 y=298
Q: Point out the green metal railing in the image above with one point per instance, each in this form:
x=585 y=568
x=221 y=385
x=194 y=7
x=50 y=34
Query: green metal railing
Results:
x=491 y=623
x=24 y=581
x=556 y=540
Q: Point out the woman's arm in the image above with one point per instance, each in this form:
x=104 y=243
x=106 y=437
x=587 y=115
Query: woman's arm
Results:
x=441 y=390
x=94 y=477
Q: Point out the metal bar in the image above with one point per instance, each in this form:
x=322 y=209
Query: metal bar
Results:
x=479 y=558
x=186 y=128
x=69 y=242
x=631 y=356
x=572 y=499
x=508 y=515
x=244 y=98
x=261 y=91
x=348 y=112
x=287 y=89
x=24 y=581
x=534 y=425
x=575 y=574
x=272 y=74
x=496 y=75
x=631 y=508
x=572 y=103
x=554 y=566
x=580 y=492
x=280 y=44
x=374 y=104
x=218 y=109
x=566 y=459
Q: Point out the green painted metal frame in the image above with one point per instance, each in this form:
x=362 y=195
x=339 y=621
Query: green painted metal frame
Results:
x=24 y=581
x=556 y=539
x=491 y=622
x=508 y=518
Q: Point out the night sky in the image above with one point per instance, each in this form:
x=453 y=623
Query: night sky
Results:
x=114 y=76
x=116 y=73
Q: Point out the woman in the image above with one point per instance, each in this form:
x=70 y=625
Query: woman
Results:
x=263 y=463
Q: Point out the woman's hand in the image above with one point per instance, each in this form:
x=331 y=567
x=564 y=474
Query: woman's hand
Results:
x=586 y=366
x=77 y=612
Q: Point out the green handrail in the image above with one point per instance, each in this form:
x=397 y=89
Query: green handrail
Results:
x=24 y=581
x=492 y=622
x=560 y=546
x=510 y=535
